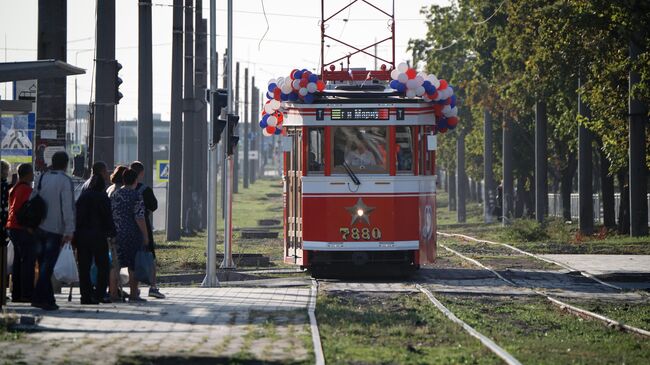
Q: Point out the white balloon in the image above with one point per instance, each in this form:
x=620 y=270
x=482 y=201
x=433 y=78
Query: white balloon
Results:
x=402 y=78
x=445 y=110
x=265 y=133
x=411 y=84
x=272 y=81
x=295 y=84
x=426 y=98
x=419 y=91
x=286 y=88
x=419 y=79
x=435 y=83
x=275 y=104
x=303 y=91
x=402 y=67
x=279 y=81
x=451 y=90
x=422 y=74
x=453 y=112
x=410 y=93
x=394 y=74
x=311 y=87
x=272 y=121
x=268 y=109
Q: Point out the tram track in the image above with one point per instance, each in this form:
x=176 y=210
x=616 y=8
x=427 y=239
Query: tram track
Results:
x=583 y=313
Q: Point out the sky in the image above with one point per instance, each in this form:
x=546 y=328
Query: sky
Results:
x=292 y=40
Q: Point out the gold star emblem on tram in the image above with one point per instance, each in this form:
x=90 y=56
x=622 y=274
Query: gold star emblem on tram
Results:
x=360 y=211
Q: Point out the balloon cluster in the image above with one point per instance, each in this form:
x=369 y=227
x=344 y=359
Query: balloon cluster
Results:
x=301 y=85
x=428 y=87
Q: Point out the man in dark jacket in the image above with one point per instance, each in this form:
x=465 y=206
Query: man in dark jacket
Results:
x=150 y=204
x=94 y=226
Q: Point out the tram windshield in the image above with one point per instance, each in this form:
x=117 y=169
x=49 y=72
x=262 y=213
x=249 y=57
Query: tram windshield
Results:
x=363 y=148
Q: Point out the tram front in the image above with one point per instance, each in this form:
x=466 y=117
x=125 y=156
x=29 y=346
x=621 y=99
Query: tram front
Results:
x=360 y=180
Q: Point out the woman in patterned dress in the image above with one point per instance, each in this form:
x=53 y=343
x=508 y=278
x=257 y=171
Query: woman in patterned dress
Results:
x=128 y=214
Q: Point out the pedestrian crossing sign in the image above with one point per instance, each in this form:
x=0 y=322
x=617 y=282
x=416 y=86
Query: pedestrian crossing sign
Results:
x=162 y=170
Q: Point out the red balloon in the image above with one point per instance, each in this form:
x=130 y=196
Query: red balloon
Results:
x=434 y=95
x=304 y=82
x=411 y=73
x=305 y=75
x=437 y=109
x=441 y=130
x=270 y=130
x=320 y=85
x=443 y=84
x=452 y=122
x=293 y=72
x=447 y=101
x=279 y=116
x=263 y=112
x=277 y=94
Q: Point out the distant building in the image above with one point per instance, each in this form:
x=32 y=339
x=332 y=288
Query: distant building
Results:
x=126 y=140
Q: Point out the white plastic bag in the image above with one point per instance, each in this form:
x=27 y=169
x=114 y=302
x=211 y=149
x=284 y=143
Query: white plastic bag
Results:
x=10 y=257
x=65 y=269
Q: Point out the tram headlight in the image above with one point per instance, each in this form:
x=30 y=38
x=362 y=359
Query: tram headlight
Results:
x=360 y=212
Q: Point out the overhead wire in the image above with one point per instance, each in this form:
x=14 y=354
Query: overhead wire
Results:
x=259 y=45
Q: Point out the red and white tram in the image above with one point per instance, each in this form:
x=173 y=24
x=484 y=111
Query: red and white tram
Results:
x=359 y=179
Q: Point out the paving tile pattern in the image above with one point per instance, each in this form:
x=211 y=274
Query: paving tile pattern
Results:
x=263 y=323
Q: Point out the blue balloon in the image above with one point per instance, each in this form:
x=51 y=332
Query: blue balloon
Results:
x=453 y=99
x=401 y=87
x=265 y=117
x=284 y=97
x=430 y=89
x=293 y=96
x=442 y=123
x=426 y=84
x=309 y=98
x=394 y=84
x=272 y=86
x=451 y=127
x=269 y=96
x=297 y=75
x=304 y=70
x=313 y=78
x=263 y=123
x=278 y=131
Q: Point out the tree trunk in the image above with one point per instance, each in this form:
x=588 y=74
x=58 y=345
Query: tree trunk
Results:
x=624 y=205
x=566 y=185
x=452 y=191
x=607 y=193
x=520 y=198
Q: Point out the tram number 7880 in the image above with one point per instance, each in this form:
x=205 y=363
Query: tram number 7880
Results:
x=360 y=234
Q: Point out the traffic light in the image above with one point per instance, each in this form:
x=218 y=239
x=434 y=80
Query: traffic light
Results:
x=118 y=81
x=232 y=124
x=220 y=102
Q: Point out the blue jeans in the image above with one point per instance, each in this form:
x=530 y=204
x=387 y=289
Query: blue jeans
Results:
x=24 y=260
x=49 y=245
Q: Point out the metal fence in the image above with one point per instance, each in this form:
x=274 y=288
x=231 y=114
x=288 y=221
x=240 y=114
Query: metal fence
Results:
x=555 y=206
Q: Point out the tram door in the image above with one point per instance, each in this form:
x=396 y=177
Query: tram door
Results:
x=294 y=196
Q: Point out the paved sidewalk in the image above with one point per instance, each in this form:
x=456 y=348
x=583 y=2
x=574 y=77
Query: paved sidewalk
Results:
x=258 y=323
x=605 y=264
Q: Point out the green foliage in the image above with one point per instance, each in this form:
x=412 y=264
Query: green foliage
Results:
x=504 y=55
x=527 y=230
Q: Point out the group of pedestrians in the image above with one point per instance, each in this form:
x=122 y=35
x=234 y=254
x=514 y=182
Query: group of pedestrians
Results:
x=108 y=225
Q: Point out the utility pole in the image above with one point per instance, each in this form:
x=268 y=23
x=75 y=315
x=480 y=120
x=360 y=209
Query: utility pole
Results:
x=461 y=177
x=541 y=188
x=187 y=219
x=508 y=178
x=105 y=85
x=246 y=130
x=211 y=261
x=585 y=188
x=235 y=176
x=145 y=90
x=228 y=160
x=51 y=92
x=451 y=182
x=638 y=119
x=201 y=133
x=173 y=224
x=488 y=175
x=254 y=127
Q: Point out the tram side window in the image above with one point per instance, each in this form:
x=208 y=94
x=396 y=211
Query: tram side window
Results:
x=316 y=150
x=404 y=148
x=363 y=148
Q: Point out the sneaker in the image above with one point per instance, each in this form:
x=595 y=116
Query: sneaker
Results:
x=89 y=301
x=155 y=293
x=137 y=300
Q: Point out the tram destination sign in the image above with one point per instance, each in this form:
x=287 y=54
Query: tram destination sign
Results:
x=360 y=114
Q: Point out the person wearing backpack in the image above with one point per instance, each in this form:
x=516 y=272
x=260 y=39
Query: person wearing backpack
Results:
x=56 y=189
x=22 y=237
x=150 y=204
